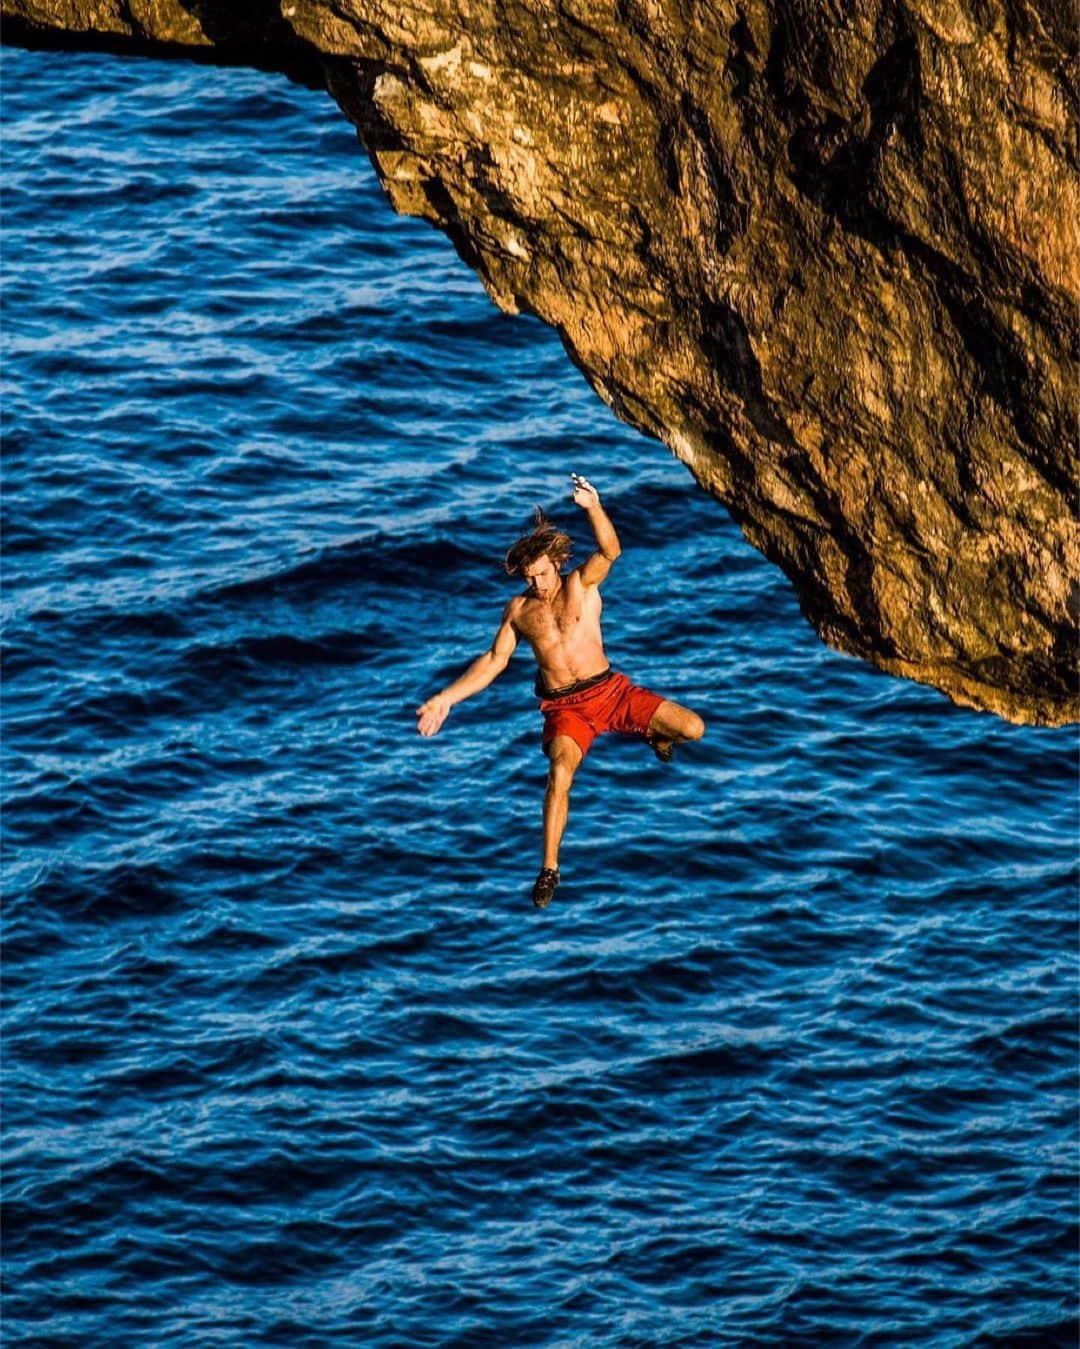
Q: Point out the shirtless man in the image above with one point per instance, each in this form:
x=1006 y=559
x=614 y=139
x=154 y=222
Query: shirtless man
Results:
x=581 y=697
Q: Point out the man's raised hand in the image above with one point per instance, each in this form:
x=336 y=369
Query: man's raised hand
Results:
x=585 y=494
x=432 y=714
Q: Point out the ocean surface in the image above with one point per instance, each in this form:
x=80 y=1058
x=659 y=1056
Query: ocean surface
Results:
x=288 y=1056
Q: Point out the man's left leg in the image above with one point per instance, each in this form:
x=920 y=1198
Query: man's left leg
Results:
x=670 y=725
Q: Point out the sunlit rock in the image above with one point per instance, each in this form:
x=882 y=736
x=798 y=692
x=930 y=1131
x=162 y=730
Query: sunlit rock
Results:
x=827 y=254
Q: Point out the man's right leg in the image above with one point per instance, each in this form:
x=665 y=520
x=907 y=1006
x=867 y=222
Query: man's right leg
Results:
x=565 y=756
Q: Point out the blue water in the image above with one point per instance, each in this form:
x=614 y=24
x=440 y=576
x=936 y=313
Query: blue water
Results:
x=289 y=1057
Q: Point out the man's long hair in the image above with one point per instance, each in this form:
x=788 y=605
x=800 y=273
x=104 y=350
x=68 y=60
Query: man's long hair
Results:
x=545 y=538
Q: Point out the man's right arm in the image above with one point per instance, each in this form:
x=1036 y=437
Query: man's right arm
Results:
x=483 y=671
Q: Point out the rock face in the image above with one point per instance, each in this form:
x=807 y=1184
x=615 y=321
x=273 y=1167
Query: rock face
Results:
x=827 y=253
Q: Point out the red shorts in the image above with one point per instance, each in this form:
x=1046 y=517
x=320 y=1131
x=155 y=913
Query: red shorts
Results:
x=612 y=705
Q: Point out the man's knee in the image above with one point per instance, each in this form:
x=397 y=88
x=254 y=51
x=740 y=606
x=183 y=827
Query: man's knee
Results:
x=564 y=760
x=678 y=722
x=695 y=727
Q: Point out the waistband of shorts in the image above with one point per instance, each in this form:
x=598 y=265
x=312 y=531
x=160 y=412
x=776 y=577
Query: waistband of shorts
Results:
x=568 y=689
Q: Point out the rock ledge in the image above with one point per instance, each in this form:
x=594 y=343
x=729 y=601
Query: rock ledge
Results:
x=828 y=257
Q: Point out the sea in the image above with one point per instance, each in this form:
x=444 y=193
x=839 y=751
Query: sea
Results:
x=288 y=1056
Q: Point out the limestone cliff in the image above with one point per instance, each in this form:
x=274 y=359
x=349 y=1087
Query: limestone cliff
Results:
x=826 y=252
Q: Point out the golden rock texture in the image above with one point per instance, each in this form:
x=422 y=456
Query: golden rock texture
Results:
x=826 y=252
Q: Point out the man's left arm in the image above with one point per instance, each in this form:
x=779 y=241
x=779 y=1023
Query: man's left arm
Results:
x=608 y=548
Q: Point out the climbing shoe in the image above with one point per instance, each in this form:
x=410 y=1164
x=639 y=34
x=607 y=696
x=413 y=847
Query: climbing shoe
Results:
x=544 y=889
x=663 y=749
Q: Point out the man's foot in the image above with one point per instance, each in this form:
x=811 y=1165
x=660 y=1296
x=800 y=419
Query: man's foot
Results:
x=663 y=749
x=544 y=889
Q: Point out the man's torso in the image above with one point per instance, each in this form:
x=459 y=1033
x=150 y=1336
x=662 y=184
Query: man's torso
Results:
x=564 y=633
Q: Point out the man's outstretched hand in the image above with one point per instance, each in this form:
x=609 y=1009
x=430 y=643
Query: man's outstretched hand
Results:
x=585 y=494
x=432 y=714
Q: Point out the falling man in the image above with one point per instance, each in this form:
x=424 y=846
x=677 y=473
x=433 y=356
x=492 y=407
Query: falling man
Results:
x=581 y=696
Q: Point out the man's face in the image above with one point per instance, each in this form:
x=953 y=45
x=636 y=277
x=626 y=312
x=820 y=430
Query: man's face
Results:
x=542 y=576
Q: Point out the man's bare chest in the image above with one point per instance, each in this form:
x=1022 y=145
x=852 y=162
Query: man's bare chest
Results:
x=543 y=623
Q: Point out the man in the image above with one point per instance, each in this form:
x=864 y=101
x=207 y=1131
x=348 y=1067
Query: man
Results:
x=581 y=697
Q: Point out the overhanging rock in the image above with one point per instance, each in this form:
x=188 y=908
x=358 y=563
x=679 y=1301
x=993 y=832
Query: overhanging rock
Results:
x=827 y=255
